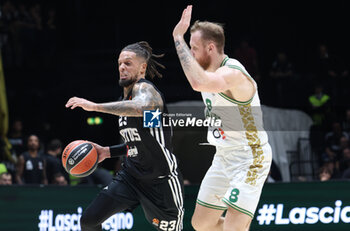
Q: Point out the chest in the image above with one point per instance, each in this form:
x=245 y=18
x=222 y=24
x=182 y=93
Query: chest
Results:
x=34 y=164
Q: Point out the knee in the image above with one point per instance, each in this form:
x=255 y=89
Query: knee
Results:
x=88 y=220
x=196 y=224
x=201 y=224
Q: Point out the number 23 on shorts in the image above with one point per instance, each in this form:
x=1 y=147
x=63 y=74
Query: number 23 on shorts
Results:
x=167 y=225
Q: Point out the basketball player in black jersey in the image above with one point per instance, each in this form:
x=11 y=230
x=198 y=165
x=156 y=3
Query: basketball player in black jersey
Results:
x=149 y=176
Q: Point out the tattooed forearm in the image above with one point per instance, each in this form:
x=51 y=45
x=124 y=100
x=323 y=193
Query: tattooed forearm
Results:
x=184 y=53
x=193 y=71
x=122 y=108
x=144 y=97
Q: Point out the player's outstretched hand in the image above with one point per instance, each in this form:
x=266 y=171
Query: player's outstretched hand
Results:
x=102 y=152
x=181 y=28
x=80 y=102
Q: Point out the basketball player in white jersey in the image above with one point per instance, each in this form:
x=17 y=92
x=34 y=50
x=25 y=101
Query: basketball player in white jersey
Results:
x=243 y=155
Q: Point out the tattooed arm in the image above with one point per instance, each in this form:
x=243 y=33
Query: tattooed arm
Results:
x=223 y=79
x=144 y=97
x=193 y=71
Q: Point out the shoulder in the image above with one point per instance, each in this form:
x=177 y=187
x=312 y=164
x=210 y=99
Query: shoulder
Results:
x=147 y=92
x=142 y=85
x=145 y=87
x=235 y=65
x=234 y=69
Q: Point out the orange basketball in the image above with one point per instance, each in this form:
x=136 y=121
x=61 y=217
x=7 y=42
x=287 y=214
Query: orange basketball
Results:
x=79 y=158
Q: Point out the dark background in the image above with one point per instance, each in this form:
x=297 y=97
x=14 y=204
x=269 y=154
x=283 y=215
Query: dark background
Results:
x=82 y=55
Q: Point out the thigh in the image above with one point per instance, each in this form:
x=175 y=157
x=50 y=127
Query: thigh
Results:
x=163 y=203
x=235 y=220
x=247 y=176
x=114 y=198
x=204 y=216
x=100 y=209
x=214 y=185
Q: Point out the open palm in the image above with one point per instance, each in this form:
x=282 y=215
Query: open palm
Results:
x=182 y=26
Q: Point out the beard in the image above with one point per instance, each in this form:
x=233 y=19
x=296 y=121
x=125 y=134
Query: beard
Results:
x=204 y=61
x=126 y=82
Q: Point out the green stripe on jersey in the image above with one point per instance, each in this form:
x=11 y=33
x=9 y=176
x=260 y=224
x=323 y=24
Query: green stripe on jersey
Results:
x=246 y=74
x=236 y=101
x=224 y=61
x=238 y=208
x=210 y=205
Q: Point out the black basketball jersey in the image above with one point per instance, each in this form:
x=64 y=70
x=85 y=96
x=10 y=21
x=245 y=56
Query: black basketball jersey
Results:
x=150 y=151
x=33 y=169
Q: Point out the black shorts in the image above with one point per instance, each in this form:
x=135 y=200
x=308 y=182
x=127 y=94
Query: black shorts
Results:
x=162 y=201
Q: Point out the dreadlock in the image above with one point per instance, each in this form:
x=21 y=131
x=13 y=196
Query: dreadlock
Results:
x=143 y=49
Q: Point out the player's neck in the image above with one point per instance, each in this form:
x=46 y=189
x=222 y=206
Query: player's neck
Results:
x=130 y=87
x=127 y=90
x=216 y=62
x=33 y=153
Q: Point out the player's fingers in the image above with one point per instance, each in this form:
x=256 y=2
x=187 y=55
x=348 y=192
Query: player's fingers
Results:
x=184 y=12
x=75 y=105
x=70 y=101
x=97 y=146
x=189 y=10
x=188 y=13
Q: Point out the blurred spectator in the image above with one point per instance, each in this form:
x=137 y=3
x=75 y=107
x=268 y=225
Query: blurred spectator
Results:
x=336 y=141
x=32 y=36
x=346 y=174
x=8 y=17
x=59 y=179
x=51 y=19
x=325 y=66
x=16 y=137
x=332 y=72
x=329 y=66
x=31 y=164
x=5 y=178
x=345 y=161
x=281 y=73
x=2 y=168
x=281 y=67
x=319 y=103
x=7 y=158
x=325 y=174
x=346 y=122
x=53 y=163
x=248 y=57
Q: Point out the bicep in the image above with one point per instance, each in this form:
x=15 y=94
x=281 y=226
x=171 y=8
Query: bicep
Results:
x=221 y=80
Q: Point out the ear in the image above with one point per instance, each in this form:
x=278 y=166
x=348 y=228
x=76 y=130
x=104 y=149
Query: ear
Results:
x=211 y=47
x=143 y=68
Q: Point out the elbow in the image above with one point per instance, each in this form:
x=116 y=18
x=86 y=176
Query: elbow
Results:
x=196 y=86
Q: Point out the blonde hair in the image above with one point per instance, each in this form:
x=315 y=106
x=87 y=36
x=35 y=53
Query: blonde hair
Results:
x=211 y=31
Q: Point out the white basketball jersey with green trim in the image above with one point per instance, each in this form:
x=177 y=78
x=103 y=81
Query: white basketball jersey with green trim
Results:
x=241 y=122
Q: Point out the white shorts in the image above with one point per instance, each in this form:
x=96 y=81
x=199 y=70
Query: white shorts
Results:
x=236 y=178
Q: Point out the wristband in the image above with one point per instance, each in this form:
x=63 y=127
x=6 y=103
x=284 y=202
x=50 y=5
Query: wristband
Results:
x=118 y=150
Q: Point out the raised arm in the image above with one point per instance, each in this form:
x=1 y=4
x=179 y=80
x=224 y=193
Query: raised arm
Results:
x=220 y=80
x=200 y=80
x=144 y=97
